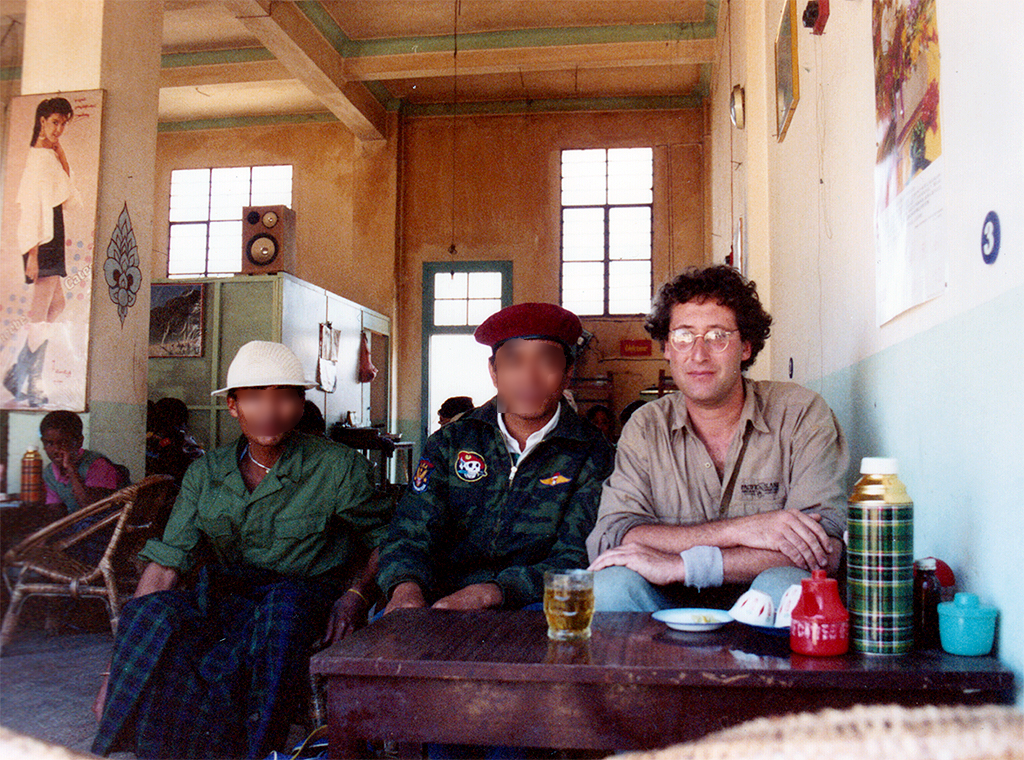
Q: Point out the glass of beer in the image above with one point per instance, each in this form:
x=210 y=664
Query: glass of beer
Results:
x=569 y=603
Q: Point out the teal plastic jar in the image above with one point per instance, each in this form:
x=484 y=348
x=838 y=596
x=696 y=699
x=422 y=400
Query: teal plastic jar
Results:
x=967 y=627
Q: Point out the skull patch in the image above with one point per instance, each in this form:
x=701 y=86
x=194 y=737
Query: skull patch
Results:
x=470 y=466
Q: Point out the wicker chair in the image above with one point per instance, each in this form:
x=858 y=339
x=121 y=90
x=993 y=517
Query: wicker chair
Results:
x=878 y=732
x=43 y=567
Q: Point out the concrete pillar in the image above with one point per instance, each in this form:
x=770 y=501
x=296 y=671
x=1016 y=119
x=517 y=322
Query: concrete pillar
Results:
x=760 y=128
x=112 y=45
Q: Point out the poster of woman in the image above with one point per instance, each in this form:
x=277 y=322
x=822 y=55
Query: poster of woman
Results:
x=46 y=250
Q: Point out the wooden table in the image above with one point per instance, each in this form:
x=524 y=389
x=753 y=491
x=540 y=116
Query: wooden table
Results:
x=493 y=678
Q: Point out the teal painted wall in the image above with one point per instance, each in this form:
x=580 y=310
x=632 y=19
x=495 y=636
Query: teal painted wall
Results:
x=941 y=385
x=949 y=404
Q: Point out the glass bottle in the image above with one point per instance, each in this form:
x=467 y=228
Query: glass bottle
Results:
x=927 y=595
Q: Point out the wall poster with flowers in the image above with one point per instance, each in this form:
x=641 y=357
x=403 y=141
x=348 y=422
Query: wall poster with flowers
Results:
x=909 y=241
x=47 y=248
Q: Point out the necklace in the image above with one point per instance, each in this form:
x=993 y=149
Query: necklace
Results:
x=253 y=460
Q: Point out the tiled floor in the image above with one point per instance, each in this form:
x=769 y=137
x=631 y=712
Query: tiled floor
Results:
x=48 y=683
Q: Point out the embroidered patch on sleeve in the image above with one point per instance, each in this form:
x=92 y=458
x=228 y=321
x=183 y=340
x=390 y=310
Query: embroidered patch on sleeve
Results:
x=422 y=476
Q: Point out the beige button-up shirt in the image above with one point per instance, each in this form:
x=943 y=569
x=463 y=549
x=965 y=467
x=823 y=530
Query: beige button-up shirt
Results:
x=788 y=453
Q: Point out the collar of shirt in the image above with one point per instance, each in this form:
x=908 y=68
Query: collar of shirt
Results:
x=531 y=443
x=287 y=466
x=753 y=410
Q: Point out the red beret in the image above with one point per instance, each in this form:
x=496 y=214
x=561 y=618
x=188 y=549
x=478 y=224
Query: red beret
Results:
x=530 y=320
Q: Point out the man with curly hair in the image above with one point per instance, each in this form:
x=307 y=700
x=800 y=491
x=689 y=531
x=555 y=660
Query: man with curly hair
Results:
x=729 y=479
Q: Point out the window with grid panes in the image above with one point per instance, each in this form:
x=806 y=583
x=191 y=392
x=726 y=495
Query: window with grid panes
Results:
x=457 y=297
x=206 y=215
x=607 y=197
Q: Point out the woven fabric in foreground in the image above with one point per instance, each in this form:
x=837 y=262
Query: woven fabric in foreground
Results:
x=863 y=733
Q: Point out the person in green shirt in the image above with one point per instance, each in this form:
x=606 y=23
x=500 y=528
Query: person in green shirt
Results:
x=288 y=525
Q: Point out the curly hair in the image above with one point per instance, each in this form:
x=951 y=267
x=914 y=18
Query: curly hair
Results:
x=719 y=283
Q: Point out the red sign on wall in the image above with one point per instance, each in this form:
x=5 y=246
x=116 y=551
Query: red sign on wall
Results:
x=638 y=347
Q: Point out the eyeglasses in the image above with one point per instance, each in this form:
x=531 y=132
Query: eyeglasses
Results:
x=716 y=339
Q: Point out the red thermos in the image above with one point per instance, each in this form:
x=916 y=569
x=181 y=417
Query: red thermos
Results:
x=821 y=624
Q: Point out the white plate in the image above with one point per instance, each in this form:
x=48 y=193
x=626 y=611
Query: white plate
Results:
x=694 y=619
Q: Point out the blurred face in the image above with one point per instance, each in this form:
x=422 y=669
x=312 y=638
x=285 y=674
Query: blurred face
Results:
x=266 y=415
x=52 y=127
x=58 y=443
x=529 y=376
x=706 y=377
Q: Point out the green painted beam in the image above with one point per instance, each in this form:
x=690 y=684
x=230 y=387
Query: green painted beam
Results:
x=703 y=89
x=349 y=48
x=527 y=38
x=237 y=122
x=383 y=96
x=213 y=57
x=654 y=103
x=10 y=73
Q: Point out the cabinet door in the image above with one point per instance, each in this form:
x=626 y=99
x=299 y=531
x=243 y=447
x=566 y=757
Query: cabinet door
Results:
x=303 y=308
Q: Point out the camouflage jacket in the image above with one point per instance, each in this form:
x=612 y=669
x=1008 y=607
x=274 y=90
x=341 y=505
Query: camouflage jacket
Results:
x=464 y=520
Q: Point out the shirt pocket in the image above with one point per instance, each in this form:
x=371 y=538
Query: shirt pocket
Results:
x=755 y=507
x=219 y=528
x=295 y=530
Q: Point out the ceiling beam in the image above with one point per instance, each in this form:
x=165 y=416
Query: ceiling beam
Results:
x=294 y=41
x=506 y=60
x=223 y=73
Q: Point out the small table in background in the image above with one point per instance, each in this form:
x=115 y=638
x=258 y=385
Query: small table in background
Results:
x=372 y=439
x=493 y=678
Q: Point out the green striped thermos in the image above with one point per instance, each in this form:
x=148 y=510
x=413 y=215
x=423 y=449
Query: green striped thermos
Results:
x=880 y=579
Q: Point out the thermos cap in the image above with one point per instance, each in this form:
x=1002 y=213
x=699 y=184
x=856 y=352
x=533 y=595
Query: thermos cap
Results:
x=879 y=466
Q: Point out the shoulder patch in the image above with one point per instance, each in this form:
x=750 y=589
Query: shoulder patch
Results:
x=555 y=480
x=422 y=476
x=470 y=466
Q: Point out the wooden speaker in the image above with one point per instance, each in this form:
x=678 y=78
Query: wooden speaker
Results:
x=268 y=240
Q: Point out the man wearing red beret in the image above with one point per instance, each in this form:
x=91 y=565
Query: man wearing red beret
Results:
x=509 y=490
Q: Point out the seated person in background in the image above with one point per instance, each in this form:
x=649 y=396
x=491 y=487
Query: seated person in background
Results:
x=508 y=491
x=76 y=477
x=628 y=409
x=726 y=478
x=290 y=523
x=601 y=417
x=453 y=409
x=312 y=422
x=170 y=448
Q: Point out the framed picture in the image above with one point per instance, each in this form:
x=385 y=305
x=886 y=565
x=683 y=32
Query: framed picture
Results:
x=787 y=73
x=176 y=320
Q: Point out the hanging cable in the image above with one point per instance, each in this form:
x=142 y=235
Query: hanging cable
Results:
x=456 y=7
x=732 y=162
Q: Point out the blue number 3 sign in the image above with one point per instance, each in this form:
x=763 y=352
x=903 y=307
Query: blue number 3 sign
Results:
x=990 y=238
